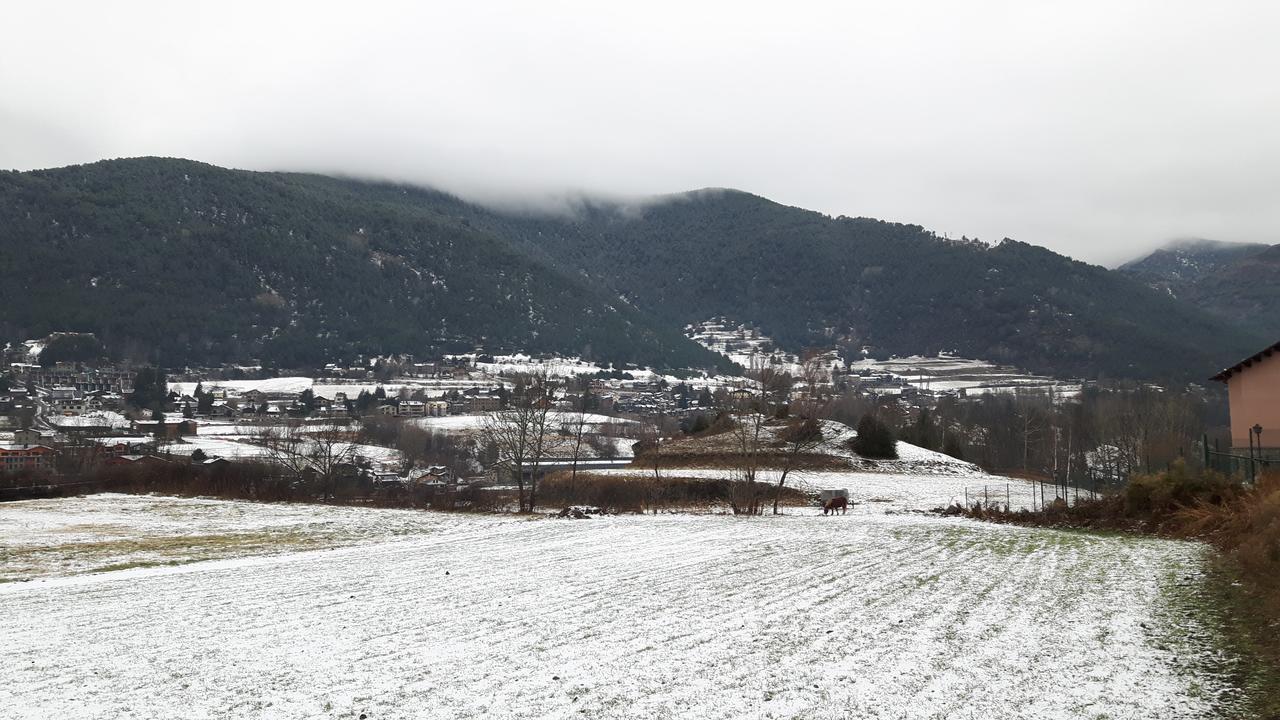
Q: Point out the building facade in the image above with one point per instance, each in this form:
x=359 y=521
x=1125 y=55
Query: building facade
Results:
x=1253 y=389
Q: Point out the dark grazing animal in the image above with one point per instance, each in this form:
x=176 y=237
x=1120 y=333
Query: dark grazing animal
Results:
x=834 y=504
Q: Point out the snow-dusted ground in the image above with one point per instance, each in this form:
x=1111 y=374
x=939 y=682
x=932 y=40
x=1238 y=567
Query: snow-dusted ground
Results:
x=476 y=421
x=947 y=372
x=95 y=418
x=871 y=492
x=432 y=386
x=867 y=615
x=241 y=440
x=242 y=448
x=68 y=536
x=911 y=459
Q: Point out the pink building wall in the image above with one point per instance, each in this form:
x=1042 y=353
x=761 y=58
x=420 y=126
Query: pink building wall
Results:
x=1254 y=392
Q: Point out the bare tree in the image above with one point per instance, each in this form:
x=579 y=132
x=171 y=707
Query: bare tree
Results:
x=813 y=371
x=321 y=454
x=748 y=434
x=286 y=448
x=797 y=438
x=1030 y=411
x=604 y=445
x=648 y=450
x=520 y=434
x=329 y=450
x=775 y=384
x=575 y=431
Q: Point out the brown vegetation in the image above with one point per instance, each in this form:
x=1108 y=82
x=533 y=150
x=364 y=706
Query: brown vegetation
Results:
x=642 y=493
x=261 y=482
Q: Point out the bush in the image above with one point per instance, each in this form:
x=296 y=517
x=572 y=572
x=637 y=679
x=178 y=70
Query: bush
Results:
x=874 y=440
x=620 y=494
x=1159 y=494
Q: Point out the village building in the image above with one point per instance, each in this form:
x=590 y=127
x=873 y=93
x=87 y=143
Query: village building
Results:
x=114 y=446
x=137 y=460
x=483 y=403
x=20 y=456
x=31 y=436
x=68 y=401
x=412 y=408
x=1253 y=390
x=165 y=428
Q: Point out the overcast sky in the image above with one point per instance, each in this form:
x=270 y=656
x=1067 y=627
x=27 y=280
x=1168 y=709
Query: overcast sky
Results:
x=1098 y=129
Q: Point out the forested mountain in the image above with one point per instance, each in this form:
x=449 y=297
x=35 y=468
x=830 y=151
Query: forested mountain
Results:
x=809 y=279
x=1184 y=262
x=182 y=262
x=205 y=264
x=1236 y=282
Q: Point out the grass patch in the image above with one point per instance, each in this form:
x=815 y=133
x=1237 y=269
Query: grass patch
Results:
x=1246 y=621
x=21 y=563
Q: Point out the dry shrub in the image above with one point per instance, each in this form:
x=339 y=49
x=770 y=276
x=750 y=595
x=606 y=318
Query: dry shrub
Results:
x=1162 y=496
x=1166 y=503
x=1246 y=525
x=622 y=493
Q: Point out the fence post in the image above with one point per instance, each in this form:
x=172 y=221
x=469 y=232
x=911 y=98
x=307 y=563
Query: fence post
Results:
x=1006 y=497
x=966 y=497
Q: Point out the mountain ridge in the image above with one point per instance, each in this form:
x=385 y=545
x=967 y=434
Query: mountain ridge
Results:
x=296 y=268
x=300 y=268
x=1235 y=282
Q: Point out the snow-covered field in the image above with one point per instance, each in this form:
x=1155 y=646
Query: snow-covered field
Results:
x=70 y=536
x=475 y=422
x=420 y=615
x=242 y=441
x=293 y=385
x=871 y=492
x=947 y=372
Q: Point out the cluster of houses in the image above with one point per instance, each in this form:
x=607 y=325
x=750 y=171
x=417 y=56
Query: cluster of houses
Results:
x=33 y=449
x=26 y=453
x=227 y=403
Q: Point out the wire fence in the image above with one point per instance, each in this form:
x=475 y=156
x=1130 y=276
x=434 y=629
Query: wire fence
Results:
x=1237 y=465
x=1026 y=495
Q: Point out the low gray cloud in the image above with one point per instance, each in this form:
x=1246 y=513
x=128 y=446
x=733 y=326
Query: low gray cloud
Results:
x=1096 y=129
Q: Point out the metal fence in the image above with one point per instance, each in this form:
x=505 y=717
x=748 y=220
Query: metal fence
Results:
x=1236 y=464
x=1026 y=495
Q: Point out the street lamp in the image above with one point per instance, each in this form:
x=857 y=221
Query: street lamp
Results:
x=1255 y=430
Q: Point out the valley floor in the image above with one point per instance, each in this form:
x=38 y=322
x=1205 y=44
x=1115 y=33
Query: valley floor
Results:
x=405 y=614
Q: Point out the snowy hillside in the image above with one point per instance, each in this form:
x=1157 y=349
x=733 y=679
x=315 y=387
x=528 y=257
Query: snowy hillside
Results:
x=833 y=453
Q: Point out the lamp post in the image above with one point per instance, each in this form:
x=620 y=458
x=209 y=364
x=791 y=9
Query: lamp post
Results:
x=1255 y=430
